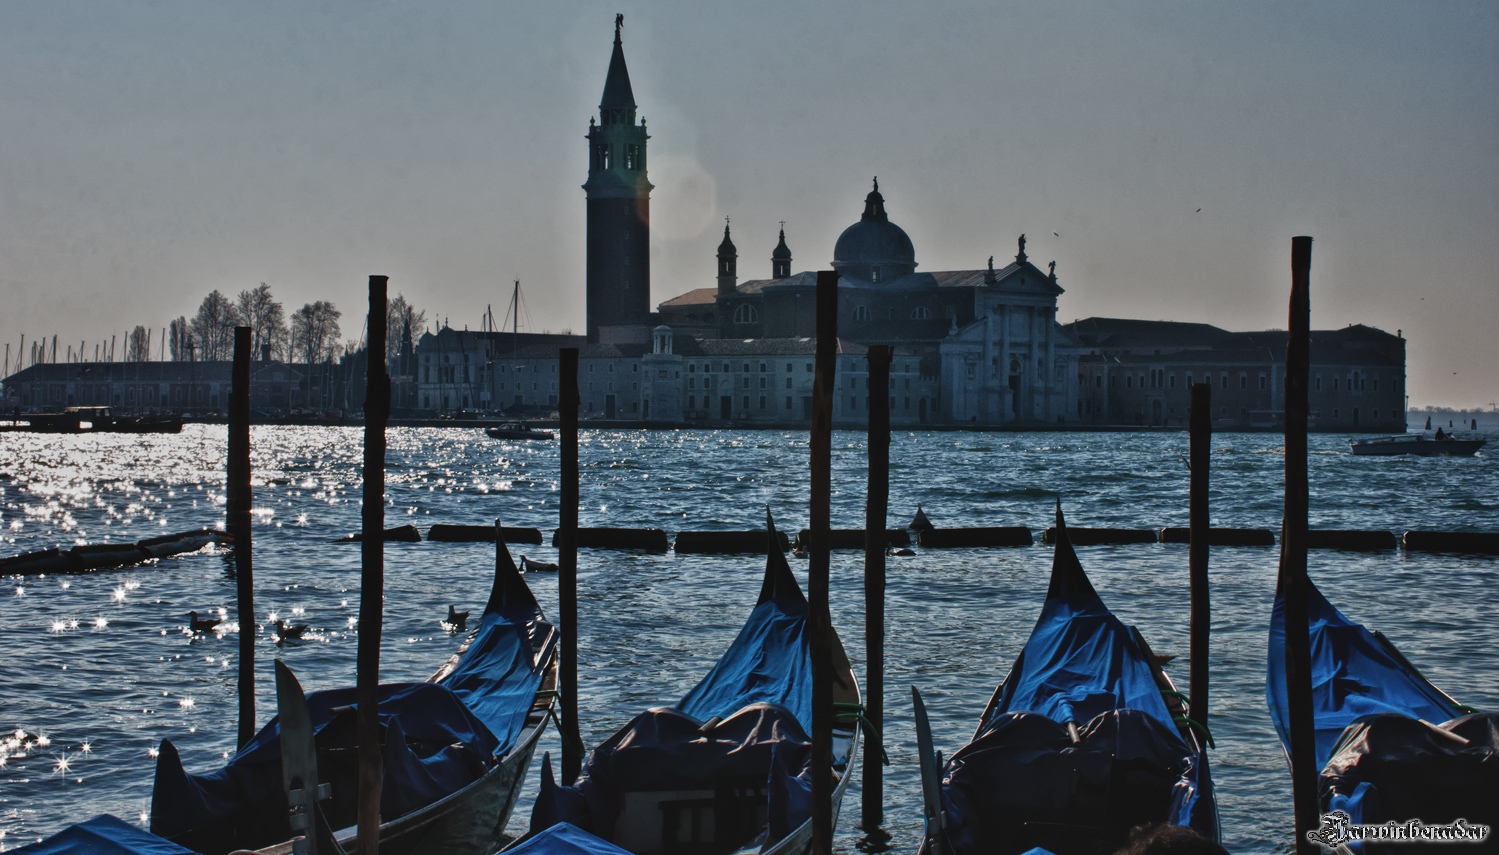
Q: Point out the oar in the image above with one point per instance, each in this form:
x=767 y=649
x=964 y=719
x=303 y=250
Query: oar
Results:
x=931 y=772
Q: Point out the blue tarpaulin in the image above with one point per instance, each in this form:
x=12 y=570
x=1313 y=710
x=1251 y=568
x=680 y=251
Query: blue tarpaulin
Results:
x=103 y=835
x=565 y=839
x=761 y=688
x=1353 y=675
x=1127 y=765
x=437 y=738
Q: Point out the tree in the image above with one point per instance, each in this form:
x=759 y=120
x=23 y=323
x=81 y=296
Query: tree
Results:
x=266 y=320
x=402 y=320
x=315 y=332
x=213 y=328
x=138 y=346
x=177 y=334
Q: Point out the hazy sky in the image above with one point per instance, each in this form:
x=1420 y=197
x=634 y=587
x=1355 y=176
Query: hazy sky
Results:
x=153 y=151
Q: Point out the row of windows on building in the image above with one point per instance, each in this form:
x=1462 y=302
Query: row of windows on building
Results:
x=764 y=402
x=1159 y=379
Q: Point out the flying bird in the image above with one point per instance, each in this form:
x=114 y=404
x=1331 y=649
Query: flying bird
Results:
x=1057 y=235
x=1198 y=211
x=202 y=625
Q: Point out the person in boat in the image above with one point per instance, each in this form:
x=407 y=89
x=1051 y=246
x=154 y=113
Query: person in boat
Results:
x=1440 y=435
x=1168 y=839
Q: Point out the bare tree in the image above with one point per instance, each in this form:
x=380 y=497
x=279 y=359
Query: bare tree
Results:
x=402 y=320
x=213 y=327
x=138 y=346
x=266 y=319
x=177 y=334
x=315 y=332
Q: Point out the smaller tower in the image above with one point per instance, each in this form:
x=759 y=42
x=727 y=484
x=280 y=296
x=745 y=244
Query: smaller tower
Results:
x=780 y=257
x=728 y=263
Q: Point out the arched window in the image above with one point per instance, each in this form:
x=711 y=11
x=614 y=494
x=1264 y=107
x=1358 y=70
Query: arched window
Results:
x=746 y=314
x=921 y=313
x=861 y=313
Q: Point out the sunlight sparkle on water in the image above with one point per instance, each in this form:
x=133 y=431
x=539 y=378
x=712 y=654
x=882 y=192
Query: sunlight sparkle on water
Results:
x=101 y=622
x=118 y=594
x=59 y=626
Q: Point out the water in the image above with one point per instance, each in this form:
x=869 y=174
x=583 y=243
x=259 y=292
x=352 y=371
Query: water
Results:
x=100 y=667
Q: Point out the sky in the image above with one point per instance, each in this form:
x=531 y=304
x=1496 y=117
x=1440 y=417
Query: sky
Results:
x=1163 y=154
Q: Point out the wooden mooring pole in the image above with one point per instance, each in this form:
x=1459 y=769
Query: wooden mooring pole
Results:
x=876 y=510
x=237 y=502
x=372 y=577
x=819 y=564
x=1293 y=578
x=567 y=559
x=1200 y=429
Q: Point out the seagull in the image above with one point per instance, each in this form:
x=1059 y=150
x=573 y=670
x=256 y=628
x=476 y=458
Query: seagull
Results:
x=287 y=631
x=204 y=625
x=1054 y=234
x=531 y=565
x=1199 y=210
x=456 y=620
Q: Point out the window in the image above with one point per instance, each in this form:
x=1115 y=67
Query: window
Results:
x=1317 y=383
x=1243 y=380
x=853 y=402
x=788 y=402
x=874 y=274
x=1262 y=382
x=762 y=402
x=921 y=313
x=1173 y=380
x=788 y=368
x=746 y=314
x=1224 y=384
x=861 y=313
x=788 y=382
x=763 y=382
x=746 y=402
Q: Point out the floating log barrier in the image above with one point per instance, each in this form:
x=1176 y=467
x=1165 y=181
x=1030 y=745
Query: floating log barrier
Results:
x=97 y=556
x=1101 y=536
x=957 y=538
x=448 y=533
x=853 y=538
x=647 y=539
x=399 y=534
x=1218 y=536
x=1479 y=542
x=1354 y=540
x=52 y=560
x=188 y=541
x=725 y=542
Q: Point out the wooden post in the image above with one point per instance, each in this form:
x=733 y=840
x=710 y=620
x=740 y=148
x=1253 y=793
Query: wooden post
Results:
x=820 y=562
x=567 y=559
x=372 y=579
x=1293 y=551
x=237 y=501
x=1200 y=429
x=876 y=508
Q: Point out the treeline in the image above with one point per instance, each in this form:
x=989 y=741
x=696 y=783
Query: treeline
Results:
x=311 y=335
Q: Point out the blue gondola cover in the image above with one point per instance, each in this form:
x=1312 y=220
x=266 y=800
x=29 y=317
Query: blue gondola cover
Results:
x=103 y=835
x=565 y=839
x=1023 y=770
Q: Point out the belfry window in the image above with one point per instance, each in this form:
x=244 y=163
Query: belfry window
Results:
x=861 y=313
x=746 y=314
x=921 y=313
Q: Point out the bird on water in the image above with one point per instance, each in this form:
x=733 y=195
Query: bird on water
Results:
x=456 y=620
x=288 y=631
x=197 y=624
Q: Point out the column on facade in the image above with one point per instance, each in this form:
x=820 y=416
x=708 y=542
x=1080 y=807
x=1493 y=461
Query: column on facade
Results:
x=988 y=372
x=1005 y=409
x=1050 y=320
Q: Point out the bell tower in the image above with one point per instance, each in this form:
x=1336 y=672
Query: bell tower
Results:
x=618 y=290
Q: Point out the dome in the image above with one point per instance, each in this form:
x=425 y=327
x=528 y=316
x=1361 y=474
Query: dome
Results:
x=782 y=251
x=874 y=248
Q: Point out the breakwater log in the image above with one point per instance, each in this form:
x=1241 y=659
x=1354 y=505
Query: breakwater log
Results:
x=1220 y=536
x=1102 y=536
x=957 y=538
x=52 y=560
x=98 y=556
x=647 y=539
x=1480 y=542
x=852 y=538
x=399 y=534
x=450 y=533
x=188 y=541
x=726 y=542
x=1354 y=540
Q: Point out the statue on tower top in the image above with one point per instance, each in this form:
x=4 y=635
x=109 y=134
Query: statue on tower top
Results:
x=619 y=23
x=1020 y=256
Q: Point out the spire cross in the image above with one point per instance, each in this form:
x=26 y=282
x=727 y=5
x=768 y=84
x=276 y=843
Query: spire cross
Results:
x=619 y=23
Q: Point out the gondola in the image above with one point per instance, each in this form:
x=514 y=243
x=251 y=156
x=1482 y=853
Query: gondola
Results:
x=456 y=749
x=1390 y=745
x=727 y=769
x=1084 y=740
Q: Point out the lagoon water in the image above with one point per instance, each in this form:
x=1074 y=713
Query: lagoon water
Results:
x=96 y=669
